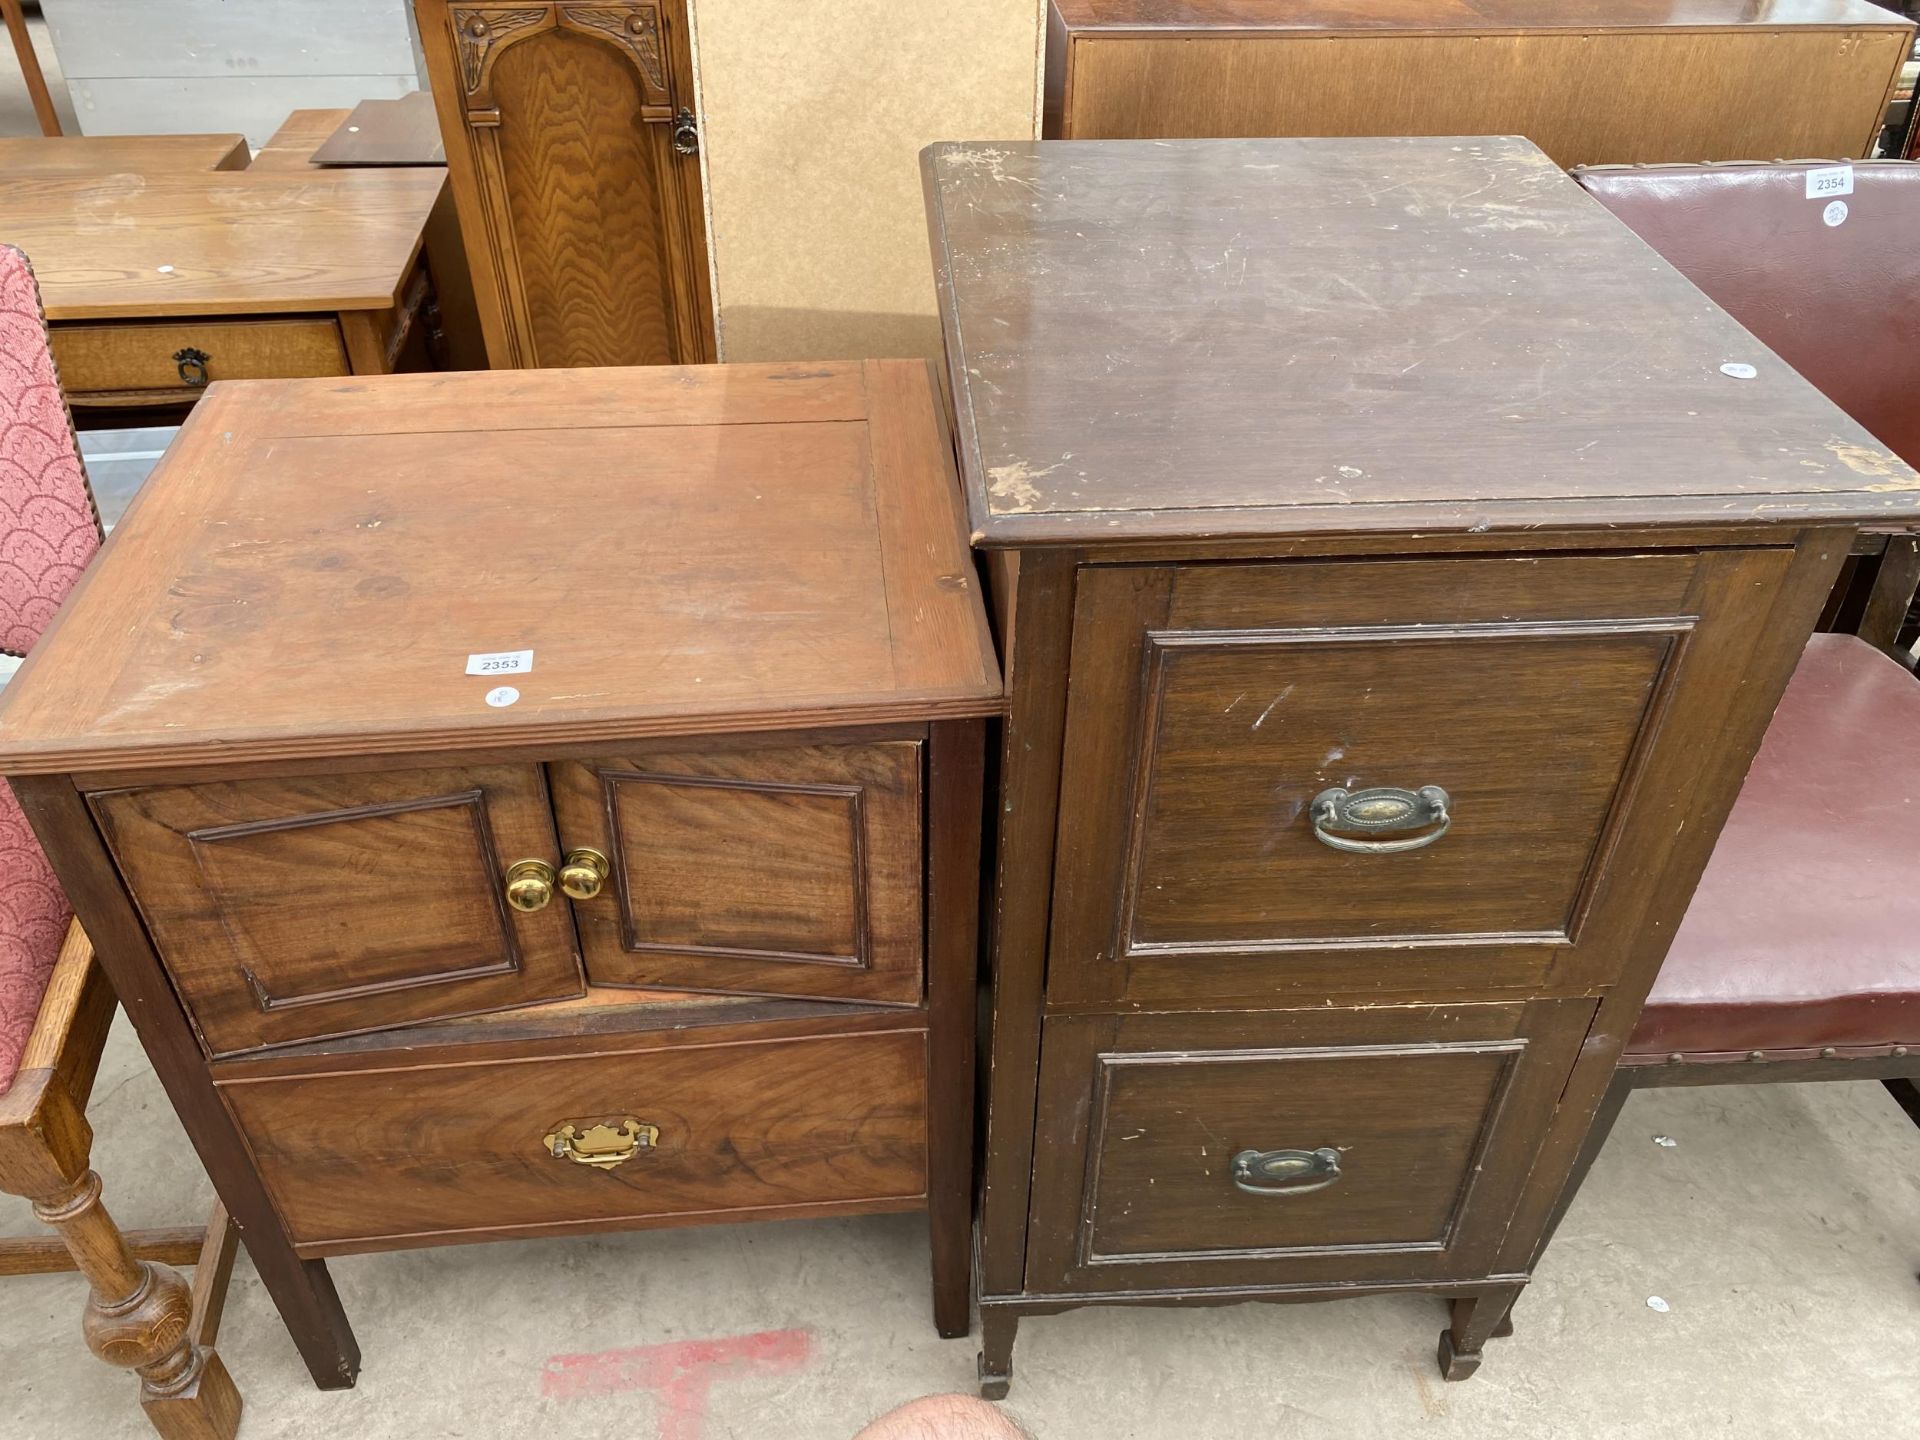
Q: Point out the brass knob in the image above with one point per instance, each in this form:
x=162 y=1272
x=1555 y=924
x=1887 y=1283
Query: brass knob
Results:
x=529 y=885
x=584 y=873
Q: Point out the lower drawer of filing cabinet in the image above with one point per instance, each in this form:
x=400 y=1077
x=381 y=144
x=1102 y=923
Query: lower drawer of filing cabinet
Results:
x=1303 y=1147
x=140 y=362
x=414 y=1153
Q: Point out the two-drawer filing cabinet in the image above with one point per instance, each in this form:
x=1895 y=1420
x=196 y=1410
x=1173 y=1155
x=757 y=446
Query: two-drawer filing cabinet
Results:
x=532 y=803
x=1397 y=563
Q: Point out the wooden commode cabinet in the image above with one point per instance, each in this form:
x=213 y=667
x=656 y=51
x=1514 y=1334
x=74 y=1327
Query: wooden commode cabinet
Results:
x=1398 y=563
x=526 y=804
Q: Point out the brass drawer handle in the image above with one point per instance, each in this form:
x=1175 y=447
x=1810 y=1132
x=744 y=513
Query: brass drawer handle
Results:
x=192 y=366
x=1382 y=809
x=583 y=873
x=1285 y=1172
x=601 y=1145
x=529 y=885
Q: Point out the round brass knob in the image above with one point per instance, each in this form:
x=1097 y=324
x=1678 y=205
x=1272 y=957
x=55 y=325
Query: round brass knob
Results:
x=584 y=873
x=529 y=885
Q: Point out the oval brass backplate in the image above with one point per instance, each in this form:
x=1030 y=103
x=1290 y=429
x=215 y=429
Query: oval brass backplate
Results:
x=600 y=1144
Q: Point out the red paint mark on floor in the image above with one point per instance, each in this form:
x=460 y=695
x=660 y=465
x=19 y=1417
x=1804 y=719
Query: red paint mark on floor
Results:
x=681 y=1373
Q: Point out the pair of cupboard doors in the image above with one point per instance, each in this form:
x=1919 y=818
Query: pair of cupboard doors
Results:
x=573 y=147
x=300 y=908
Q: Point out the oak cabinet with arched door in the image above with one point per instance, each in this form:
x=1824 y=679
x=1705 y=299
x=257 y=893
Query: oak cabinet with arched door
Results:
x=573 y=147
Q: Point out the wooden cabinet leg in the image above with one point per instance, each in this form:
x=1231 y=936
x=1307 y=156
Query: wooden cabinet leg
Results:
x=956 y=762
x=997 y=1330
x=1475 y=1319
x=140 y=1317
x=301 y=1289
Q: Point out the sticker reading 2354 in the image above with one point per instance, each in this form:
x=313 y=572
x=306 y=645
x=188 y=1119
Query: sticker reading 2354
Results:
x=500 y=662
x=1829 y=181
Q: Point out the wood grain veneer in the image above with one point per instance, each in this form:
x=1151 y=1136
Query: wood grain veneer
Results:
x=873 y=617
x=1592 y=83
x=141 y=246
x=409 y=1154
x=110 y=154
x=582 y=217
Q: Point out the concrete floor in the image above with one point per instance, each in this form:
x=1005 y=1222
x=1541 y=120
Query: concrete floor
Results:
x=1782 y=1229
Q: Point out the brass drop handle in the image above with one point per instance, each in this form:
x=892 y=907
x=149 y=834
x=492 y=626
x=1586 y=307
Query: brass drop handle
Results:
x=192 y=363
x=583 y=873
x=1380 y=810
x=529 y=885
x=599 y=1144
x=1285 y=1172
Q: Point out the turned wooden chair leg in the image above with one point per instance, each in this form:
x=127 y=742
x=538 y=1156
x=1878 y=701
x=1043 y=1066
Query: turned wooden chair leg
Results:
x=139 y=1316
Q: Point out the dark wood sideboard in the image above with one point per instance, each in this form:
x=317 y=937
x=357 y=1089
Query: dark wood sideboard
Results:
x=1396 y=564
x=1606 y=82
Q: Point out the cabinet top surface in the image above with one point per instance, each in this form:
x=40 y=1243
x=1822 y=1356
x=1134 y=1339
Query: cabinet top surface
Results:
x=1200 y=338
x=313 y=563
x=225 y=242
x=1481 y=16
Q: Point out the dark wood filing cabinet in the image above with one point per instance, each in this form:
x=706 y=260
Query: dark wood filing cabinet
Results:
x=532 y=803
x=1395 y=563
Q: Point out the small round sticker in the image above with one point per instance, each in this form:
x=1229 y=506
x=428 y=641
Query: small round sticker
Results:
x=1835 y=212
x=1739 y=370
x=501 y=696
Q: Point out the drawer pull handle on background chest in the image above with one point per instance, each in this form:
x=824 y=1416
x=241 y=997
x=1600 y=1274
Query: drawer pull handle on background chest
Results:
x=529 y=885
x=1285 y=1172
x=601 y=1145
x=192 y=364
x=1380 y=810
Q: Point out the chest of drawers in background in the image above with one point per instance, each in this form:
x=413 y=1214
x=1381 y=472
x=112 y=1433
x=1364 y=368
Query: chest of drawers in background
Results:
x=1591 y=84
x=1393 y=588
x=519 y=804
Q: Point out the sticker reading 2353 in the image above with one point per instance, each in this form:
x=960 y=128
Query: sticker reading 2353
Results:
x=500 y=662
x=1829 y=181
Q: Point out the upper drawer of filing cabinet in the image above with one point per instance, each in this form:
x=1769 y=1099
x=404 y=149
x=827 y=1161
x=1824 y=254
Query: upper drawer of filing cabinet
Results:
x=299 y=909
x=1290 y=1147
x=1361 y=776
x=770 y=869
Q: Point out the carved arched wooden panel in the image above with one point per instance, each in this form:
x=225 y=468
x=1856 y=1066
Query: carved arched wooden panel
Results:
x=568 y=179
x=582 y=185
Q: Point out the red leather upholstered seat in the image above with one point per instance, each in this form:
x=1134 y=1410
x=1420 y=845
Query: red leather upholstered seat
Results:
x=1805 y=931
x=1840 y=303
x=48 y=531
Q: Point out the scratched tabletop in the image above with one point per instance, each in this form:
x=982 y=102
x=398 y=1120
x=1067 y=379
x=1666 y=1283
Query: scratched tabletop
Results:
x=1220 y=337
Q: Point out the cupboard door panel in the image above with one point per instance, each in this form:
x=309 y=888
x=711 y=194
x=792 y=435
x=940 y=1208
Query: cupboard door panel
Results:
x=299 y=909
x=777 y=870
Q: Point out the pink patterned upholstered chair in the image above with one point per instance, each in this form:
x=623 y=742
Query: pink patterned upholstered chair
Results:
x=55 y=1005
